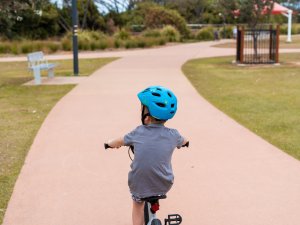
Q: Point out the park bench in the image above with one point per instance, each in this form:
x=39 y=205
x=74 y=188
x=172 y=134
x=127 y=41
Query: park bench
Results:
x=36 y=63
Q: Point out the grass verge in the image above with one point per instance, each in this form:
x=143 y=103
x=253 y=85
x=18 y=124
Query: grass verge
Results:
x=264 y=99
x=22 y=111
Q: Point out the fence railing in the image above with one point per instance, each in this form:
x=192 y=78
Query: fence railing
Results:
x=257 y=46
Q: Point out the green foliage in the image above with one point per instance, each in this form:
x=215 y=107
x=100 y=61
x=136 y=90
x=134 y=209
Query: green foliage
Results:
x=92 y=20
x=226 y=32
x=152 y=33
x=154 y=16
x=295 y=29
x=34 y=24
x=171 y=34
x=252 y=12
x=205 y=34
x=191 y=10
x=122 y=34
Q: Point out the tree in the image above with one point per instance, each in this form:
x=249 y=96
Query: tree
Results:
x=251 y=12
x=27 y=18
x=191 y=10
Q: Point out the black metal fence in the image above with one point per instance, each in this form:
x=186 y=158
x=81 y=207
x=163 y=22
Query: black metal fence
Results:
x=257 y=46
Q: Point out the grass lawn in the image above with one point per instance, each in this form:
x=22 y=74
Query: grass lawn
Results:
x=265 y=99
x=283 y=44
x=22 y=111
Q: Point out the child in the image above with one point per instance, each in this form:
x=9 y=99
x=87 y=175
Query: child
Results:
x=151 y=171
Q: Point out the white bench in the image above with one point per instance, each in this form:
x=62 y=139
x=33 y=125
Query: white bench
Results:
x=36 y=63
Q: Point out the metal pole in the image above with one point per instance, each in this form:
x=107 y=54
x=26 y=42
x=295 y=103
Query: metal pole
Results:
x=75 y=37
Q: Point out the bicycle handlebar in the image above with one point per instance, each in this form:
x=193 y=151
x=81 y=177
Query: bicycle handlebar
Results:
x=187 y=144
x=106 y=146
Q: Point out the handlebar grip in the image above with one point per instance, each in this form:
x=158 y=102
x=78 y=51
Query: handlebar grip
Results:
x=106 y=146
x=186 y=144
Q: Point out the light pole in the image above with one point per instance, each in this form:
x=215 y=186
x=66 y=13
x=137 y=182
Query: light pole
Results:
x=223 y=19
x=75 y=37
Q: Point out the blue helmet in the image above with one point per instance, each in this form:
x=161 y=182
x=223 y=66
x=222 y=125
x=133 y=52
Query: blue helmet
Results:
x=160 y=101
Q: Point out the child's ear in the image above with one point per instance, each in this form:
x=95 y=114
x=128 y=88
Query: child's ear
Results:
x=147 y=119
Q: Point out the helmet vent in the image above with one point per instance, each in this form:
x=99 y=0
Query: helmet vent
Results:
x=158 y=89
x=172 y=112
x=160 y=104
x=172 y=105
x=170 y=94
x=146 y=90
x=156 y=94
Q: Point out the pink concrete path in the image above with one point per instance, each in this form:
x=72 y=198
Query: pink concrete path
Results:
x=228 y=176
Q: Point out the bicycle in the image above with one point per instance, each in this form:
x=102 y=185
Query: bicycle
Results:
x=152 y=203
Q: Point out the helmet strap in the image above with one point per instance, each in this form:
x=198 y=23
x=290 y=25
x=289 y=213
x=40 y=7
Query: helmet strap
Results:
x=144 y=115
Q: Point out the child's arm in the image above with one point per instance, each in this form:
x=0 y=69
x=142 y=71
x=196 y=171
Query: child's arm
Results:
x=116 y=143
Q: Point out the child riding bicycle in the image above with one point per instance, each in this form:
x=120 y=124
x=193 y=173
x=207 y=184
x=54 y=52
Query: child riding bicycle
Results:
x=151 y=170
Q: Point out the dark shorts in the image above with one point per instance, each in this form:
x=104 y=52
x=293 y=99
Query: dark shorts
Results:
x=136 y=199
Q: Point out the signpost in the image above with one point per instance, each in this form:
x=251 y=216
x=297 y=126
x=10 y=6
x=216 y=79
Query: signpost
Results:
x=75 y=37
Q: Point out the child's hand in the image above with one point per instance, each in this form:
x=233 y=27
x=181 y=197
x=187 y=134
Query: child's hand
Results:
x=187 y=144
x=114 y=143
x=106 y=146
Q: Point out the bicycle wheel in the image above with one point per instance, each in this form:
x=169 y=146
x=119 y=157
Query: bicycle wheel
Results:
x=156 y=222
x=146 y=213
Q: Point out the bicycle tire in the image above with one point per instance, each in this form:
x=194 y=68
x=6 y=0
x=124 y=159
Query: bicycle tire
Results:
x=156 y=222
x=146 y=214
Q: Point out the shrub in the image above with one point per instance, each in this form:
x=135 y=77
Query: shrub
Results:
x=205 y=34
x=155 y=16
x=141 y=42
x=15 y=48
x=130 y=44
x=152 y=33
x=53 y=47
x=226 y=32
x=295 y=29
x=96 y=35
x=117 y=43
x=122 y=35
x=26 y=47
x=66 y=44
x=5 y=48
x=103 y=44
x=170 y=33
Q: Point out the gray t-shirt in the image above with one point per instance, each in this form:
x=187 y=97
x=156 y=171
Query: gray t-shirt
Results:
x=151 y=170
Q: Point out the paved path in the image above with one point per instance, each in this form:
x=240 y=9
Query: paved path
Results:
x=228 y=176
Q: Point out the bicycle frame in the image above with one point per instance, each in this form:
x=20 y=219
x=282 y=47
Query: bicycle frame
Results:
x=152 y=206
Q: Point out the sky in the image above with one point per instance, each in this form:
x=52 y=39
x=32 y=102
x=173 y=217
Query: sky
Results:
x=60 y=3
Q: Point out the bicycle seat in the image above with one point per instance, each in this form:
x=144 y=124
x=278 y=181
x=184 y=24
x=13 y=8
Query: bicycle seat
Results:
x=154 y=198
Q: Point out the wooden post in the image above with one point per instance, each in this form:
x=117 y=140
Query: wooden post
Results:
x=242 y=46
x=237 y=58
x=277 y=44
x=271 y=43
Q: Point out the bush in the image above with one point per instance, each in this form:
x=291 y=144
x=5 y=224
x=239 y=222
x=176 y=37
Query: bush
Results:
x=295 y=29
x=152 y=33
x=155 y=16
x=53 y=47
x=170 y=33
x=130 y=44
x=122 y=35
x=205 y=34
x=26 y=47
x=5 y=48
x=226 y=32
x=66 y=44
x=117 y=43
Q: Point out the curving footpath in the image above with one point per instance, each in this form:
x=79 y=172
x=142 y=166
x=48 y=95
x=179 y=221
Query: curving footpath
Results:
x=228 y=176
